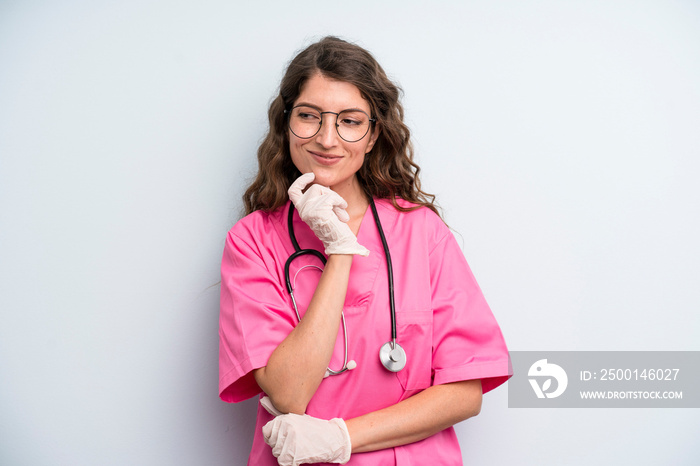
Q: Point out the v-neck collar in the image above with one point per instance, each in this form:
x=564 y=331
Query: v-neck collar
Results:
x=363 y=223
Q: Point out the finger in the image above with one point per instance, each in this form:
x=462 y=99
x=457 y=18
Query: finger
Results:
x=269 y=430
x=298 y=186
x=342 y=214
x=266 y=403
x=336 y=200
x=316 y=190
x=280 y=438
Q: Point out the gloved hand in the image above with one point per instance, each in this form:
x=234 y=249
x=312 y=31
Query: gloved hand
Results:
x=304 y=439
x=324 y=211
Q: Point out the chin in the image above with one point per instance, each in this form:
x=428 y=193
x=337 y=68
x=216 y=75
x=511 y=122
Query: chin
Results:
x=323 y=178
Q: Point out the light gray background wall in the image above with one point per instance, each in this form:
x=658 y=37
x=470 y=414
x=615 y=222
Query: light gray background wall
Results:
x=561 y=137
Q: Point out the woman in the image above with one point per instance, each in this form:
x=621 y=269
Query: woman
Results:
x=337 y=143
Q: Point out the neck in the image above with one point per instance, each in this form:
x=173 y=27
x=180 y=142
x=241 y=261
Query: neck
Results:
x=353 y=194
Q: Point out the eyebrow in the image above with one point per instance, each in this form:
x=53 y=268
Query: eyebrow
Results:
x=316 y=107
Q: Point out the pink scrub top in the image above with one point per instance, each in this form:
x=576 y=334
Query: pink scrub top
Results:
x=443 y=322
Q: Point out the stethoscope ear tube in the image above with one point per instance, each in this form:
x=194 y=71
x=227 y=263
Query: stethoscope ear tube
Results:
x=297 y=251
x=295 y=254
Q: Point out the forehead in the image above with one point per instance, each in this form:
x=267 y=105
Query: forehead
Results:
x=331 y=95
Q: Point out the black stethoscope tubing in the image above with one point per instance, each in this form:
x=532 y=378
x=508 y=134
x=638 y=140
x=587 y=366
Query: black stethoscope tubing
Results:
x=389 y=269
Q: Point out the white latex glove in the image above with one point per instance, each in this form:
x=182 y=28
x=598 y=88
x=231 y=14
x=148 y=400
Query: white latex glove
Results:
x=302 y=439
x=323 y=210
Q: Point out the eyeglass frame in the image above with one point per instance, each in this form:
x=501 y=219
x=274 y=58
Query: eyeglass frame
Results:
x=372 y=121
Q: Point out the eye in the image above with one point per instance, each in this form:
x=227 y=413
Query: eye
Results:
x=350 y=122
x=352 y=118
x=308 y=116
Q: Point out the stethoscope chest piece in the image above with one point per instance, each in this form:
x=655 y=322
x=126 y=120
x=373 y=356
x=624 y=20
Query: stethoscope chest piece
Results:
x=393 y=357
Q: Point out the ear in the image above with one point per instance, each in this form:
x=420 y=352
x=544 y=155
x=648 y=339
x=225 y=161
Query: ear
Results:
x=373 y=138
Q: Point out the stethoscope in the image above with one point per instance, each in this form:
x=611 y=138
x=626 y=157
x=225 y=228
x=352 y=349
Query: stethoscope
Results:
x=391 y=354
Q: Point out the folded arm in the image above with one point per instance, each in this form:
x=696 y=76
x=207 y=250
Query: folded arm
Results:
x=297 y=366
x=298 y=439
x=415 y=418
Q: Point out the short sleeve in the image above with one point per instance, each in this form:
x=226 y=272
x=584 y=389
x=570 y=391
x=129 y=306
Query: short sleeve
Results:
x=254 y=317
x=467 y=341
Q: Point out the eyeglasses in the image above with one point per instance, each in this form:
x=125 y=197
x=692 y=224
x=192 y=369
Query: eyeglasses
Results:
x=352 y=125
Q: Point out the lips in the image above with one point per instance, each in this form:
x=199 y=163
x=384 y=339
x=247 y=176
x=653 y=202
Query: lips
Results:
x=326 y=156
x=325 y=159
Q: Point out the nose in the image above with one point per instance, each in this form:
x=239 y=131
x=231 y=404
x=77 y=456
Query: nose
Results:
x=327 y=136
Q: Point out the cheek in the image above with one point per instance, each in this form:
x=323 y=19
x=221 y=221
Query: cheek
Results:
x=295 y=152
x=357 y=162
x=298 y=161
x=361 y=154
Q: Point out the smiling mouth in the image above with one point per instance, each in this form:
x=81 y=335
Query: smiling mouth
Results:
x=326 y=156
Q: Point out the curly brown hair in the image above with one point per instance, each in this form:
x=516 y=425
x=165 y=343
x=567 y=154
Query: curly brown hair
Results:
x=388 y=171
